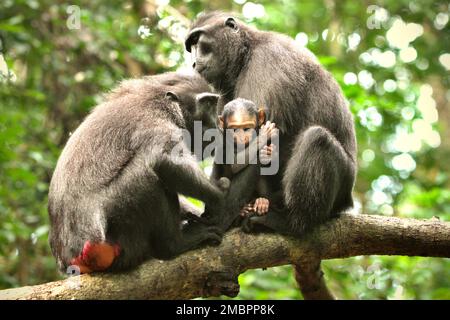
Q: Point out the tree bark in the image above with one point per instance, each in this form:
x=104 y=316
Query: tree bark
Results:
x=309 y=277
x=212 y=271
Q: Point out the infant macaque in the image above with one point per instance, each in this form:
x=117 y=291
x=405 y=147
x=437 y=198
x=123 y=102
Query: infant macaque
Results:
x=245 y=129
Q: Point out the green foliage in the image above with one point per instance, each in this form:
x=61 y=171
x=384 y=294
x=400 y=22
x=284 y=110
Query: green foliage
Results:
x=392 y=72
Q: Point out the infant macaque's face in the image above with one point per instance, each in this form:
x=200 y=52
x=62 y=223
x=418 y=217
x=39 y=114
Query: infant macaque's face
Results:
x=244 y=126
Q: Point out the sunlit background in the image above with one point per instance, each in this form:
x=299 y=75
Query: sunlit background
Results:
x=392 y=59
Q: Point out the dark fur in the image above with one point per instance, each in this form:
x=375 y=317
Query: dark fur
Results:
x=229 y=171
x=317 y=138
x=239 y=105
x=115 y=181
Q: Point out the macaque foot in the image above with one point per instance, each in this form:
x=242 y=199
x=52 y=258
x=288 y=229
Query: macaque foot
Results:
x=200 y=233
x=193 y=218
x=255 y=224
x=210 y=217
x=96 y=256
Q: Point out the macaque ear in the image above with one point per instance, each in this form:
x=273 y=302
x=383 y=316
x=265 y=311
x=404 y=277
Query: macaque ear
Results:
x=231 y=23
x=206 y=101
x=172 y=96
x=221 y=124
x=261 y=117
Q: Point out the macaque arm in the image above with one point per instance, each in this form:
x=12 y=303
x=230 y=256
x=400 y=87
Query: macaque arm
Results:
x=262 y=188
x=216 y=173
x=184 y=176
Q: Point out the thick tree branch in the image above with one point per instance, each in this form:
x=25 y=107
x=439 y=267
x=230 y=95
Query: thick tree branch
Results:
x=214 y=270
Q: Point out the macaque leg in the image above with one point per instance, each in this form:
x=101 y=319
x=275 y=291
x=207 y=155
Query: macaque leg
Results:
x=190 y=237
x=185 y=177
x=241 y=190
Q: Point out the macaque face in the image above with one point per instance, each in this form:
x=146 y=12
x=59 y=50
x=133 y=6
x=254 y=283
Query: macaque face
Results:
x=244 y=126
x=205 y=43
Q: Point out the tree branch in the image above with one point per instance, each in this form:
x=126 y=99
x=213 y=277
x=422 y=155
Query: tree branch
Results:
x=309 y=277
x=212 y=271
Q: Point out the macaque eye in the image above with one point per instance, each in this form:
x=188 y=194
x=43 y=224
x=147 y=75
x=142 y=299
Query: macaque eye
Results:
x=205 y=48
x=194 y=38
x=247 y=129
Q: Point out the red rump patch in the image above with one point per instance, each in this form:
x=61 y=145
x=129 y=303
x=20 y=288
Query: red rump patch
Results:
x=96 y=256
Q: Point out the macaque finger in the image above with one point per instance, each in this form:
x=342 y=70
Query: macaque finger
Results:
x=247 y=213
x=266 y=207
x=259 y=206
x=264 y=160
x=247 y=210
x=263 y=210
x=255 y=207
x=244 y=212
x=272 y=131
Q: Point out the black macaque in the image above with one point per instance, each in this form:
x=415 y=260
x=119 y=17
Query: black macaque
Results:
x=113 y=199
x=246 y=135
x=317 y=149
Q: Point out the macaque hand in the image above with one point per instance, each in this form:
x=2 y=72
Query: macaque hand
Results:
x=268 y=130
x=247 y=210
x=266 y=154
x=261 y=206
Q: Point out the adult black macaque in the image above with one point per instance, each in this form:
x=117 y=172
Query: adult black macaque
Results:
x=317 y=140
x=113 y=199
